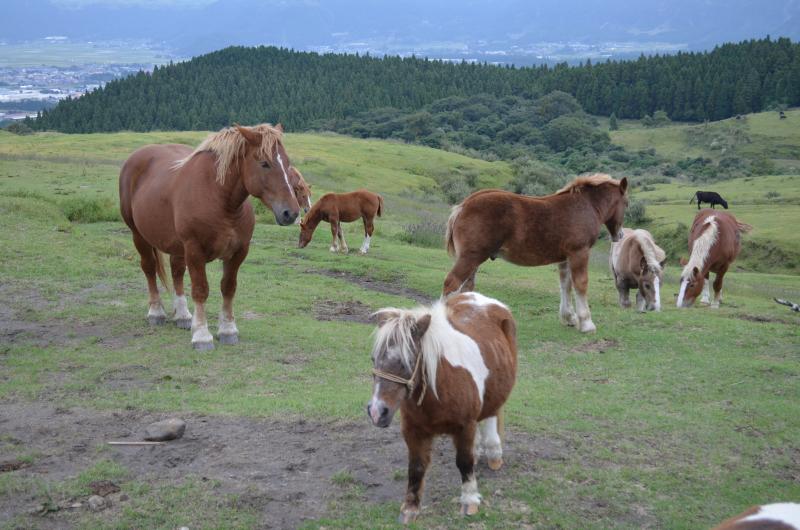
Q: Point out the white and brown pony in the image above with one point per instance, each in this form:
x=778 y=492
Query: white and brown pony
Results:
x=638 y=263
x=714 y=243
x=302 y=190
x=559 y=228
x=778 y=516
x=449 y=368
x=337 y=208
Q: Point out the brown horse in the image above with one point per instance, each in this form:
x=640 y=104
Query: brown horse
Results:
x=339 y=208
x=714 y=243
x=638 y=263
x=447 y=367
x=193 y=206
x=559 y=228
x=302 y=190
x=778 y=516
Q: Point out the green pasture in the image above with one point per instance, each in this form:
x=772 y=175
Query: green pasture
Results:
x=670 y=420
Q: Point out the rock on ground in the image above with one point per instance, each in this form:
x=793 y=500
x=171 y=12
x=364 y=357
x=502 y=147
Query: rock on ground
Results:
x=162 y=431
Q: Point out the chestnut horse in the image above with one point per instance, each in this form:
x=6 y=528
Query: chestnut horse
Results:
x=449 y=368
x=559 y=228
x=714 y=243
x=638 y=263
x=339 y=208
x=192 y=205
x=778 y=516
x=302 y=190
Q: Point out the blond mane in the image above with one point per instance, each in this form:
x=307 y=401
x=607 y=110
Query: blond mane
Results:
x=595 y=179
x=701 y=247
x=228 y=145
x=653 y=254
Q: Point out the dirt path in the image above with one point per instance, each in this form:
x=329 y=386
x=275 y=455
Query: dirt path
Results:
x=282 y=468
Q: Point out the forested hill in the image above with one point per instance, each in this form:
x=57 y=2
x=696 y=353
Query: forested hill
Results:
x=250 y=85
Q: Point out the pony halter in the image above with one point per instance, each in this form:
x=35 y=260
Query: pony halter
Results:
x=410 y=383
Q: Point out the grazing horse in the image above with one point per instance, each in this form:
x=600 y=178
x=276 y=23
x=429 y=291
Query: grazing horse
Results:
x=449 y=368
x=192 y=205
x=559 y=228
x=638 y=263
x=778 y=516
x=712 y=198
x=714 y=243
x=339 y=208
x=302 y=190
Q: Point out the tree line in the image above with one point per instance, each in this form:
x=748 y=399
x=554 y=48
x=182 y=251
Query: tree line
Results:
x=303 y=90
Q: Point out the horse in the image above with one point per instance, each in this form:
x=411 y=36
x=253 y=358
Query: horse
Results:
x=559 y=228
x=778 y=516
x=450 y=368
x=638 y=263
x=337 y=208
x=711 y=197
x=714 y=243
x=192 y=205
x=302 y=190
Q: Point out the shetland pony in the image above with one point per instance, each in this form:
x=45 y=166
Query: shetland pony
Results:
x=339 y=208
x=714 y=243
x=192 y=205
x=449 y=368
x=638 y=263
x=778 y=516
x=302 y=190
x=559 y=228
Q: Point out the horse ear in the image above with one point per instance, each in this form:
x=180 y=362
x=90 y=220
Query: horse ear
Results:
x=643 y=263
x=385 y=315
x=421 y=326
x=683 y=261
x=279 y=127
x=695 y=272
x=623 y=185
x=663 y=264
x=253 y=138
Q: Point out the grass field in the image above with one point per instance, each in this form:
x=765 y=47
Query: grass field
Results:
x=670 y=420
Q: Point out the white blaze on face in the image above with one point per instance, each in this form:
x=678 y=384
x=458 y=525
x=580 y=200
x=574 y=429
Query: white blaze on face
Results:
x=285 y=175
x=682 y=292
x=375 y=403
x=657 y=287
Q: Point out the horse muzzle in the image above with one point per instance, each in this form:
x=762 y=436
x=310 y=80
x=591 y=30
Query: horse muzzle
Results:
x=380 y=414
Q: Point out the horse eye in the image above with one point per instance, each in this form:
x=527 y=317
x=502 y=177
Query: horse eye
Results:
x=265 y=164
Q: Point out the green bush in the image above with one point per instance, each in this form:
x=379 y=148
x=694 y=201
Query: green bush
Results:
x=636 y=213
x=426 y=233
x=89 y=210
x=533 y=177
x=20 y=128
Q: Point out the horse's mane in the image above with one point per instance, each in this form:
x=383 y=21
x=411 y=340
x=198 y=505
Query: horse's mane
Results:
x=653 y=254
x=440 y=333
x=595 y=179
x=702 y=245
x=229 y=146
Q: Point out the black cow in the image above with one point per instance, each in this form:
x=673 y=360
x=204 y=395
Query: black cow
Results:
x=711 y=197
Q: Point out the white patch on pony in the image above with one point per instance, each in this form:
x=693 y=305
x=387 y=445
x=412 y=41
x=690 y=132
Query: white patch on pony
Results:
x=180 y=308
x=375 y=403
x=365 y=245
x=585 y=324
x=285 y=175
x=706 y=293
x=490 y=438
x=657 y=287
x=469 y=491
x=682 y=292
x=227 y=327
x=785 y=512
x=477 y=299
x=717 y=300
x=200 y=331
x=156 y=312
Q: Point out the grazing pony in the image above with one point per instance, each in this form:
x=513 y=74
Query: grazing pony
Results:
x=337 y=208
x=302 y=190
x=638 y=263
x=711 y=197
x=778 y=516
x=192 y=205
x=714 y=243
x=449 y=368
x=559 y=228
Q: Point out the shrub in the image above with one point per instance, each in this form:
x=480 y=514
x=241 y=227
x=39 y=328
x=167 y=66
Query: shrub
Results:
x=772 y=194
x=20 y=128
x=426 y=233
x=88 y=210
x=635 y=213
x=532 y=177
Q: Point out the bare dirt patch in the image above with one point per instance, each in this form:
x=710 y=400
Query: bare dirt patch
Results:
x=12 y=465
x=376 y=285
x=763 y=319
x=283 y=468
x=597 y=346
x=349 y=311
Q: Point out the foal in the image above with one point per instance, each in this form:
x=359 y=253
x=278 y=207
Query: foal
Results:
x=342 y=207
x=638 y=263
x=302 y=190
x=448 y=367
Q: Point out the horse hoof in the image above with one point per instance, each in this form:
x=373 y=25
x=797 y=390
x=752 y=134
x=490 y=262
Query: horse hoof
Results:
x=229 y=339
x=407 y=516
x=183 y=323
x=714 y=305
x=588 y=327
x=495 y=463
x=203 y=346
x=469 y=509
x=156 y=320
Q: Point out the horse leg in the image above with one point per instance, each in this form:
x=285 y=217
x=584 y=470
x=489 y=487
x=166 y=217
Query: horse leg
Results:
x=462 y=276
x=706 y=298
x=490 y=441
x=641 y=303
x=465 y=461
x=180 y=309
x=419 y=457
x=718 y=287
x=578 y=265
x=155 y=311
x=340 y=235
x=565 y=312
x=368 y=229
x=334 y=235
x=624 y=296
x=228 y=332
x=201 y=338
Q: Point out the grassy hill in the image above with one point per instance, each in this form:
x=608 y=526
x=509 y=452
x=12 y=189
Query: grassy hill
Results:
x=670 y=420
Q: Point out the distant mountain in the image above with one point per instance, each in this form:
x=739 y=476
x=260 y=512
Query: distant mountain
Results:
x=518 y=31
x=302 y=89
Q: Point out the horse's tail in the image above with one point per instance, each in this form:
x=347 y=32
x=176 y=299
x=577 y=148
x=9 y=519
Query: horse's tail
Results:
x=448 y=236
x=743 y=227
x=380 y=205
x=162 y=274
